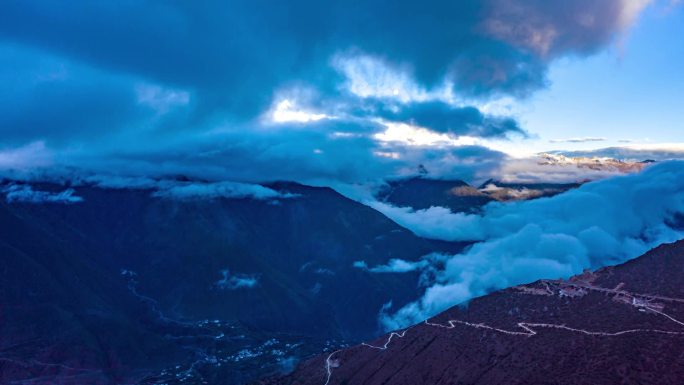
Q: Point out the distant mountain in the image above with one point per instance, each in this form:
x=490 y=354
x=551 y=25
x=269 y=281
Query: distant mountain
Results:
x=597 y=161
x=105 y=285
x=619 y=325
x=421 y=193
x=631 y=153
x=503 y=191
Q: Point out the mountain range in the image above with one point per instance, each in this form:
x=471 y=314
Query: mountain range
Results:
x=117 y=285
x=123 y=285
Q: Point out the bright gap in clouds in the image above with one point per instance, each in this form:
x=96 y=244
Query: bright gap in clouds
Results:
x=417 y=136
x=287 y=111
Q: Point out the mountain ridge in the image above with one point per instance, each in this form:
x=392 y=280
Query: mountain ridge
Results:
x=619 y=324
x=135 y=281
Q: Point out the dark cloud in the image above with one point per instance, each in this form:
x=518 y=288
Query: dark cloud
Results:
x=251 y=46
x=178 y=85
x=289 y=153
x=50 y=97
x=442 y=117
x=554 y=28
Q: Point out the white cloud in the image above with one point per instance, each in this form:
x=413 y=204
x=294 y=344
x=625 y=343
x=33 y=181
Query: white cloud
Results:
x=556 y=168
x=369 y=76
x=600 y=223
x=187 y=191
x=26 y=194
x=393 y=266
x=119 y=182
x=287 y=110
x=26 y=157
x=635 y=152
x=236 y=281
x=583 y=139
x=411 y=135
x=435 y=222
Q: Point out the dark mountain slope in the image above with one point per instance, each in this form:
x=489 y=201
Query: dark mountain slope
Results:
x=108 y=286
x=422 y=193
x=62 y=316
x=503 y=191
x=620 y=325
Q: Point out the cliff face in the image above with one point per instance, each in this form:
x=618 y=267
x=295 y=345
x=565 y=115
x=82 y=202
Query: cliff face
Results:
x=618 y=325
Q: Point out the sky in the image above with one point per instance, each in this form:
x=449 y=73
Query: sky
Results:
x=630 y=94
x=251 y=91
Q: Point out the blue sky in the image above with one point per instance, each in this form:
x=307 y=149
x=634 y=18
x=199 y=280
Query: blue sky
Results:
x=225 y=90
x=632 y=91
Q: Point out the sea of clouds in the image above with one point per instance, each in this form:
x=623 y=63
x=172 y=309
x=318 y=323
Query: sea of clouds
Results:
x=600 y=223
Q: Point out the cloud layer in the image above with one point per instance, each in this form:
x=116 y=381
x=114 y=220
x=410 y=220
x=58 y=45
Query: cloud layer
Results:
x=393 y=266
x=600 y=223
x=189 y=191
x=26 y=194
x=236 y=281
x=228 y=90
x=656 y=152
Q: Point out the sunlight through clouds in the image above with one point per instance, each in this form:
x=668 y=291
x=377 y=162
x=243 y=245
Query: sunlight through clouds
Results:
x=287 y=111
x=418 y=136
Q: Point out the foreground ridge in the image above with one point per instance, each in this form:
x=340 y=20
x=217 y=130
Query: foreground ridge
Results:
x=639 y=301
x=621 y=324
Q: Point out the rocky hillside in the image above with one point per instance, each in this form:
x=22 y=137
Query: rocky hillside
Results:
x=619 y=325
